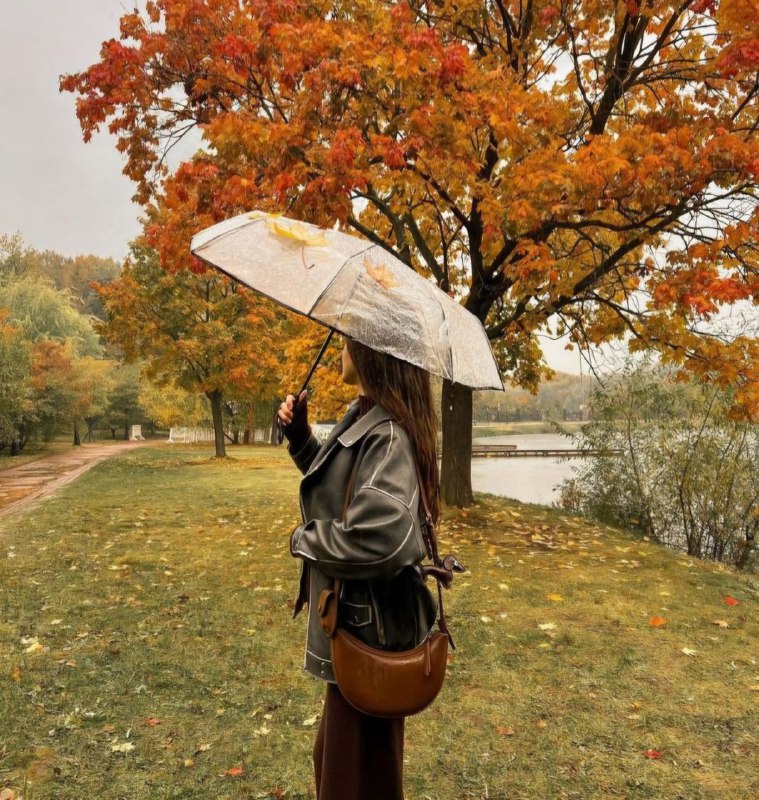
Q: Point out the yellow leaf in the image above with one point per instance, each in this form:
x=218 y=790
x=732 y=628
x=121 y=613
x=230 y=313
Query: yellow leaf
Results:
x=310 y=721
x=381 y=274
x=555 y=598
x=688 y=651
x=298 y=232
x=547 y=626
x=721 y=622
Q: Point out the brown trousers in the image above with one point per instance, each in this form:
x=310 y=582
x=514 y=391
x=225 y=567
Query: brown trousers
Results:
x=356 y=756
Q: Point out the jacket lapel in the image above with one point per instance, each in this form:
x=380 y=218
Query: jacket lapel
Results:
x=347 y=431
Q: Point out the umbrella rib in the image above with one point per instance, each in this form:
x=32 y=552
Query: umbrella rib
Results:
x=226 y=233
x=334 y=277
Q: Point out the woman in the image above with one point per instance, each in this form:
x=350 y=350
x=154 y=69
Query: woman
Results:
x=374 y=551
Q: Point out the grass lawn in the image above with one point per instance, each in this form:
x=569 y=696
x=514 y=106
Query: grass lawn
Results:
x=531 y=426
x=148 y=651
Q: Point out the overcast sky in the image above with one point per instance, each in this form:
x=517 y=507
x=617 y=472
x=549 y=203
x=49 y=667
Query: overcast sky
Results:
x=59 y=193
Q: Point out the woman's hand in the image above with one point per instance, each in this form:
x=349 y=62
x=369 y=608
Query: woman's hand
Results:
x=295 y=423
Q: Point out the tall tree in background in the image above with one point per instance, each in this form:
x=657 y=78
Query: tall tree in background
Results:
x=195 y=329
x=560 y=165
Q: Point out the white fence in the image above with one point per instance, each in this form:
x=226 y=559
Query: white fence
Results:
x=192 y=435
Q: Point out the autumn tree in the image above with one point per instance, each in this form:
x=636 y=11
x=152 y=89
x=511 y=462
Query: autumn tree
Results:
x=560 y=166
x=193 y=328
x=15 y=389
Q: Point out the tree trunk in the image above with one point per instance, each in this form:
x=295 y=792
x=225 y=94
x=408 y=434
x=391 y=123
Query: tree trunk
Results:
x=249 y=436
x=126 y=430
x=15 y=449
x=77 y=439
x=456 y=467
x=273 y=430
x=215 y=398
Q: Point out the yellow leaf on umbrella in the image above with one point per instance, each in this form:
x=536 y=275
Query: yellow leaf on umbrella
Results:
x=299 y=233
x=381 y=274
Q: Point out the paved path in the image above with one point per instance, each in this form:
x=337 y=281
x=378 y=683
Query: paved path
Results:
x=36 y=480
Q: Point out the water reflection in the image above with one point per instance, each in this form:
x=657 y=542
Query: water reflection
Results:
x=531 y=480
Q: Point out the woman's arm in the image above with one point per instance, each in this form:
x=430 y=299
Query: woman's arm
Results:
x=303 y=453
x=379 y=535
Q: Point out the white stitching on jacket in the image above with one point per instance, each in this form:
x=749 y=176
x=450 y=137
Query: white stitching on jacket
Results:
x=399 y=499
x=376 y=560
x=389 y=445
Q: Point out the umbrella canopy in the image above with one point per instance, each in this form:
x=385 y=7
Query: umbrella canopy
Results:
x=355 y=287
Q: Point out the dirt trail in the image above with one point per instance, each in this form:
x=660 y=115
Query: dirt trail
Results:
x=29 y=483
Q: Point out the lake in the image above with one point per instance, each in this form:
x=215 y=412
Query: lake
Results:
x=531 y=480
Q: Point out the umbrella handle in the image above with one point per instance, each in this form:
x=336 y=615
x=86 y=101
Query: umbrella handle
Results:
x=280 y=424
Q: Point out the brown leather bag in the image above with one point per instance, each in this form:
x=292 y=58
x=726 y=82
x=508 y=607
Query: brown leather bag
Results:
x=389 y=683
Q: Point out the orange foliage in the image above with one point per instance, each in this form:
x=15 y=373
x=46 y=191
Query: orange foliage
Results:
x=453 y=138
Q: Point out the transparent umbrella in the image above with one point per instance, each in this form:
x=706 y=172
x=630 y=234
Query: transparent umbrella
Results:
x=354 y=287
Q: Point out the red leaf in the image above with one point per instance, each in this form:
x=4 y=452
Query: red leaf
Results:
x=730 y=601
x=651 y=753
x=234 y=772
x=151 y=722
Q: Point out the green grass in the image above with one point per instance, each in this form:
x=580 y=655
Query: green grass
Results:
x=158 y=587
x=534 y=426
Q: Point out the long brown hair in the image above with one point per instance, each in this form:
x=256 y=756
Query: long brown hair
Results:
x=403 y=390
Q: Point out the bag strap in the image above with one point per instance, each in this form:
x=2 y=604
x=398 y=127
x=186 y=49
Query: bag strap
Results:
x=442 y=569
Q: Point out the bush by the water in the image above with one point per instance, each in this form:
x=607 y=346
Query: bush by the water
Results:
x=673 y=465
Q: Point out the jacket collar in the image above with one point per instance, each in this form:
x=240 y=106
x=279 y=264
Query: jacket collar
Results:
x=373 y=416
x=348 y=431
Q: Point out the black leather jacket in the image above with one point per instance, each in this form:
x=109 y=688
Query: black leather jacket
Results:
x=376 y=550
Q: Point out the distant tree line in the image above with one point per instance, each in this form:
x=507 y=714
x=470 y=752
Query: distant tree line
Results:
x=563 y=397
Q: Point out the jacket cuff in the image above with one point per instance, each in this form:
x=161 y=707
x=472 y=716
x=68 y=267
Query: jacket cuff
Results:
x=303 y=455
x=296 y=546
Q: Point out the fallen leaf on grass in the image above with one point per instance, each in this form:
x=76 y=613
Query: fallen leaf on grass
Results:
x=730 y=601
x=556 y=598
x=541 y=723
x=688 y=651
x=151 y=722
x=721 y=622
x=124 y=747
x=502 y=730
x=547 y=626
x=188 y=762
x=202 y=749
x=234 y=772
x=657 y=622
x=310 y=721
x=652 y=753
